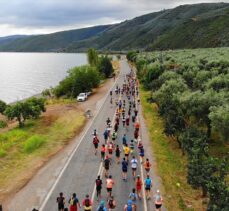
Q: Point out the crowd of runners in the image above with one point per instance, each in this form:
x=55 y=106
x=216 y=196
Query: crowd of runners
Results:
x=127 y=152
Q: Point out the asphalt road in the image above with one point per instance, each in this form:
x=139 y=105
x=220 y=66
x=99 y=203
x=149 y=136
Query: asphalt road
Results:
x=79 y=174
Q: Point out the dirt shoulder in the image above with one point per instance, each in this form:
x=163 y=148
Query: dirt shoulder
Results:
x=45 y=165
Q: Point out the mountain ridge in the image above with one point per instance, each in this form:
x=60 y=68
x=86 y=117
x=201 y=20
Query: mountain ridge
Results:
x=186 y=26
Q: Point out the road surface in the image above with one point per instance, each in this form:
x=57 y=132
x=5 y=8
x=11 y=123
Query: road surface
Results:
x=78 y=173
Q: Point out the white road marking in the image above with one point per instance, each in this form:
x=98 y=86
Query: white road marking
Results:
x=141 y=169
x=73 y=152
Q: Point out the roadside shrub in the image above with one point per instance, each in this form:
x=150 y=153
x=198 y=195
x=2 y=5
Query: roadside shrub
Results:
x=33 y=143
x=2 y=153
x=2 y=106
x=3 y=124
x=79 y=79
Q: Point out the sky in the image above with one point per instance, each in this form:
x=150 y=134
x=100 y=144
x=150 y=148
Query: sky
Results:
x=47 y=16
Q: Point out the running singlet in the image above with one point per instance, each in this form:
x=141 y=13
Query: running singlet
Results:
x=148 y=182
x=134 y=163
x=109 y=183
x=126 y=150
x=124 y=165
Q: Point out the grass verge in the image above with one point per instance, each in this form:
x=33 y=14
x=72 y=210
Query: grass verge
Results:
x=170 y=163
x=24 y=150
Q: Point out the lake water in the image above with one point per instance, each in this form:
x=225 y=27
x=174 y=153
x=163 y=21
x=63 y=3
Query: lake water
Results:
x=25 y=74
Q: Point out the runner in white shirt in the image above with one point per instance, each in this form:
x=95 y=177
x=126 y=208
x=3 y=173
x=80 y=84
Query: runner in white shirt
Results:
x=134 y=165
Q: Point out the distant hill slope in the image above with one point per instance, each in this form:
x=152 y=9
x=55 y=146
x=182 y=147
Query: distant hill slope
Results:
x=52 y=42
x=9 y=39
x=187 y=26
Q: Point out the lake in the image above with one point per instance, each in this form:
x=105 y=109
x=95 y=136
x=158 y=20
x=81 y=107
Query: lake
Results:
x=23 y=75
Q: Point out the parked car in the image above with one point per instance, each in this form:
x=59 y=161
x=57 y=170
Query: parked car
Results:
x=82 y=97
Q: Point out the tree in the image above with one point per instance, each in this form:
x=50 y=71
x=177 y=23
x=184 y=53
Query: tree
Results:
x=165 y=94
x=194 y=140
x=219 y=117
x=198 y=104
x=105 y=66
x=92 y=57
x=79 y=79
x=131 y=56
x=15 y=111
x=219 y=82
x=218 y=188
x=2 y=106
x=200 y=170
x=21 y=111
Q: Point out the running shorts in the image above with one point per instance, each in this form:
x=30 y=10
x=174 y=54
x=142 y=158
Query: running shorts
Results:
x=109 y=189
x=158 y=206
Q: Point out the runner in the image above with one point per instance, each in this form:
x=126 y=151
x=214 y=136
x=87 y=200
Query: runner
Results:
x=132 y=146
x=94 y=133
x=110 y=183
x=136 y=134
x=124 y=139
x=116 y=126
x=111 y=203
x=74 y=203
x=105 y=135
x=117 y=154
x=87 y=203
x=102 y=206
x=126 y=150
x=107 y=164
x=110 y=147
x=96 y=144
x=61 y=202
x=158 y=201
x=139 y=186
x=142 y=154
x=114 y=136
x=134 y=164
x=103 y=151
x=133 y=196
x=124 y=169
x=130 y=206
x=147 y=165
x=148 y=186
x=137 y=125
x=123 y=120
x=128 y=120
x=98 y=183
x=108 y=121
x=111 y=101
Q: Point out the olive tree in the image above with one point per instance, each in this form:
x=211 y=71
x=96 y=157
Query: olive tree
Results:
x=2 y=106
x=21 y=111
x=219 y=117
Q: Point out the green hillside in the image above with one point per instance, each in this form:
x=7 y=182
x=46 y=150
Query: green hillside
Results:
x=187 y=26
x=52 y=42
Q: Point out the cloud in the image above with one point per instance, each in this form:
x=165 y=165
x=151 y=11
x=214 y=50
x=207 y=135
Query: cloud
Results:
x=44 y=16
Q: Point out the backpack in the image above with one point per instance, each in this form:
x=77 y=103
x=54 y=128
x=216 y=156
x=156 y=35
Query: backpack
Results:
x=147 y=164
x=129 y=207
x=87 y=202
